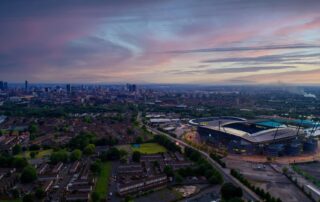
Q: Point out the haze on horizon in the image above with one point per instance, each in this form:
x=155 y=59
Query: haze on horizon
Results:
x=167 y=41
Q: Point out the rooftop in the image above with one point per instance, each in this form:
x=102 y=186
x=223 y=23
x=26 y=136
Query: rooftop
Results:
x=252 y=131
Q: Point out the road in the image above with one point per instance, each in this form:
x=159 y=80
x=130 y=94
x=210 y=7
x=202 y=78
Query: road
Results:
x=247 y=193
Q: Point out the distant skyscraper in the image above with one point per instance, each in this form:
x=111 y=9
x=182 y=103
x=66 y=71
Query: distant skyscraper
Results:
x=131 y=87
x=1 y=85
x=68 y=88
x=5 y=85
x=26 y=85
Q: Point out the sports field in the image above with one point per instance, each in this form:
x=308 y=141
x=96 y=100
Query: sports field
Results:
x=149 y=148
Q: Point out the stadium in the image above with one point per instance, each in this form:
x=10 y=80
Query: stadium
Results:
x=263 y=136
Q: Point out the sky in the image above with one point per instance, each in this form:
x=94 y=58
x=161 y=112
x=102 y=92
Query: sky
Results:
x=160 y=41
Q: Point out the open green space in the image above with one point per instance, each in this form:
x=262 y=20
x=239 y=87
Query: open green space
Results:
x=40 y=154
x=102 y=185
x=149 y=148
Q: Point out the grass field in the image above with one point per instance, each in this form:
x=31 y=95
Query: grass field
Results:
x=40 y=154
x=149 y=148
x=102 y=185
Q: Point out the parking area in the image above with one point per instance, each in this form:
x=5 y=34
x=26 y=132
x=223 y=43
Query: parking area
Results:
x=312 y=169
x=263 y=176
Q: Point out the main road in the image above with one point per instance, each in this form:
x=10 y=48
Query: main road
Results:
x=247 y=193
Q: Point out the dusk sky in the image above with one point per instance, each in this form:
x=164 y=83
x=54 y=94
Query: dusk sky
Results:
x=165 y=41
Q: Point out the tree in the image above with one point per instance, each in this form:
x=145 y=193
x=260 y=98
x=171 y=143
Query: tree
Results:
x=59 y=156
x=130 y=131
x=95 y=197
x=28 y=198
x=139 y=140
x=17 y=149
x=122 y=153
x=87 y=119
x=33 y=154
x=40 y=193
x=34 y=147
x=112 y=154
x=96 y=167
x=82 y=140
x=33 y=128
x=76 y=155
x=236 y=199
x=229 y=191
x=178 y=178
x=168 y=171
x=15 y=193
x=89 y=149
x=19 y=162
x=285 y=170
x=29 y=174
x=136 y=156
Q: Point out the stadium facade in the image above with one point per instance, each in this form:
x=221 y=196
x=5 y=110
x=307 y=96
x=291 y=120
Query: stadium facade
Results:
x=263 y=137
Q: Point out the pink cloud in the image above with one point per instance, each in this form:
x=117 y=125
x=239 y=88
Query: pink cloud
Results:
x=313 y=24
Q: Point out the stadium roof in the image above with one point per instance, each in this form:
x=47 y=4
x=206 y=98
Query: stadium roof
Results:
x=264 y=135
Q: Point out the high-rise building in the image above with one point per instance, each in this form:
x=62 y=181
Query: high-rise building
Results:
x=131 y=87
x=5 y=85
x=1 y=85
x=26 y=85
x=68 y=88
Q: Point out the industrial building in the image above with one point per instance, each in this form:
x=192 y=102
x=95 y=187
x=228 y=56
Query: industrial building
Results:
x=265 y=137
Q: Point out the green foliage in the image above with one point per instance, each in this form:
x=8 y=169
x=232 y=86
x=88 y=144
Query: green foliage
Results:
x=59 y=156
x=89 y=149
x=34 y=147
x=33 y=154
x=19 y=162
x=130 y=131
x=103 y=178
x=260 y=192
x=136 y=156
x=178 y=178
x=217 y=158
x=33 y=128
x=87 y=119
x=168 y=171
x=95 y=196
x=110 y=141
x=32 y=137
x=76 y=155
x=40 y=193
x=111 y=155
x=96 y=167
x=28 y=198
x=138 y=140
x=164 y=141
x=236 y=199
x=29 y=174
x=15 y=193
x=285 y=170
x=203 y=168
x=17 y=149
x=82 y=140
x=122 y=153
x=229 y=191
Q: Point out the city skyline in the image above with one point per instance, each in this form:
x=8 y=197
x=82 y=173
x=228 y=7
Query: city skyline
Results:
x=207 y=42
